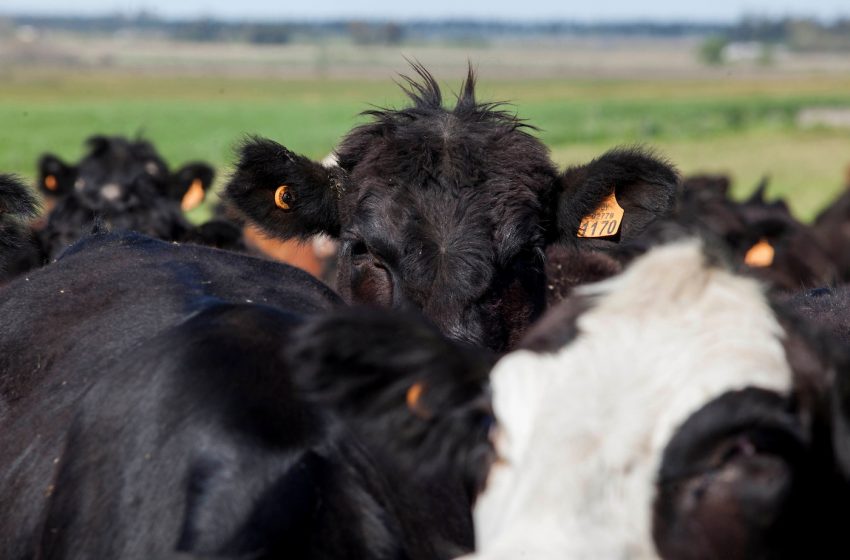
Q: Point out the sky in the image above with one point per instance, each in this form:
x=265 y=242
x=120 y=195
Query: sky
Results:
x=594 y=10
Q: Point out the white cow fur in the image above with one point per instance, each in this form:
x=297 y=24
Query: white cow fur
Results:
x=582 y=430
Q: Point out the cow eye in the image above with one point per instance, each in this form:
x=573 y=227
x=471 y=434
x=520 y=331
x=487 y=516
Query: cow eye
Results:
x=359 y=249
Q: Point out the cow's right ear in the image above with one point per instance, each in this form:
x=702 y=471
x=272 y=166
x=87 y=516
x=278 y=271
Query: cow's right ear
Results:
x=286 y=194
x=614 y=198
x=55 y=178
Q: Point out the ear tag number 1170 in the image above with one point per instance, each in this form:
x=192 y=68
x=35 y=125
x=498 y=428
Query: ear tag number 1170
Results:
x=605 y=221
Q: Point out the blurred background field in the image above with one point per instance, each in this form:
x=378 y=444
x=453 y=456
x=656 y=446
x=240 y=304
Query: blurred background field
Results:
x=784 y=113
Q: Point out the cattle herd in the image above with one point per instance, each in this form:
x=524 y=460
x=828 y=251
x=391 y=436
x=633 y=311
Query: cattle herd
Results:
x=511 y=360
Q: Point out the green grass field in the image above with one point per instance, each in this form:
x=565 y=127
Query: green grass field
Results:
x=743 y=127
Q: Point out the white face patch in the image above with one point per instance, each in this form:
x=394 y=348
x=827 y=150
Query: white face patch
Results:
x=110 y=192
x=582 y=430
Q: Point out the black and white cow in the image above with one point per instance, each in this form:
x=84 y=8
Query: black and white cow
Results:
x=449 y=210
x=669 y=411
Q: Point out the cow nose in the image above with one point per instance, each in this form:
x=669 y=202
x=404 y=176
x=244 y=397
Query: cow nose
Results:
x=110 y=192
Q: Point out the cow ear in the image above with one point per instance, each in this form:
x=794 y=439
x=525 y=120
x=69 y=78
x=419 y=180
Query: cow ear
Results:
x=614 y=197
x=190 y=184
x=286 y=194
x=55 y=178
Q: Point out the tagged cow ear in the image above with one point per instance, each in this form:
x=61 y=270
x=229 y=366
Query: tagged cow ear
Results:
x=286 y=194
x=55 y=178
x=190 y=184
x=614 y=197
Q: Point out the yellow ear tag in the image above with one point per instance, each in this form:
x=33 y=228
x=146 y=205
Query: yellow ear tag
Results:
x=604 y=221
x=760 y=255
x=194 y=196
x=50 y=182
x=282 y=197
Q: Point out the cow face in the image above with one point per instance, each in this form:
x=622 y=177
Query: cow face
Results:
x=675 y=349
x=119 y=175
x=447 y=210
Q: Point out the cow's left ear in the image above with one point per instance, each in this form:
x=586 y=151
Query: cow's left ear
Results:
x=286 y=194
x=190 y=184
x=614 y=197
x=55 y=177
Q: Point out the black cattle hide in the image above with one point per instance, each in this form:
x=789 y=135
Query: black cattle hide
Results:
x=161 y=400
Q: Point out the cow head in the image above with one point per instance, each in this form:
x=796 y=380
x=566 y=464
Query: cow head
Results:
x=118 y=174
x=398 y=382
x=763 y=236
x=670 y=410
x=446 y=209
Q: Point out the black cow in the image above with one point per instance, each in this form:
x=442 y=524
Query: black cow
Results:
x=125 y=184
x=175 y=401
x=448 y=210
x=19 y=250
x=764 y=238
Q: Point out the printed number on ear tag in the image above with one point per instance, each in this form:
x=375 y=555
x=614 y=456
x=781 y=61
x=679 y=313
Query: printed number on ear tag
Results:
x=760 y=255
x=604 y=221
x=282 y=197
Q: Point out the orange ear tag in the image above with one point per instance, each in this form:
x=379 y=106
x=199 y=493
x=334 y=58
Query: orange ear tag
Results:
x=194 y=196
x=282 y=197
x=760 y=255
x=412 y=398
x=604 y=221
x=50 y=182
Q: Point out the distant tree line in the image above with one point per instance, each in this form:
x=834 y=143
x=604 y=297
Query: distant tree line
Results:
x=799 y=34
x=794 y=33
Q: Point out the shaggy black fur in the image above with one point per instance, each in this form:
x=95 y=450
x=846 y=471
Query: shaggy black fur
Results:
x=19 y=249
x=446 y=209
x=188 y=402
